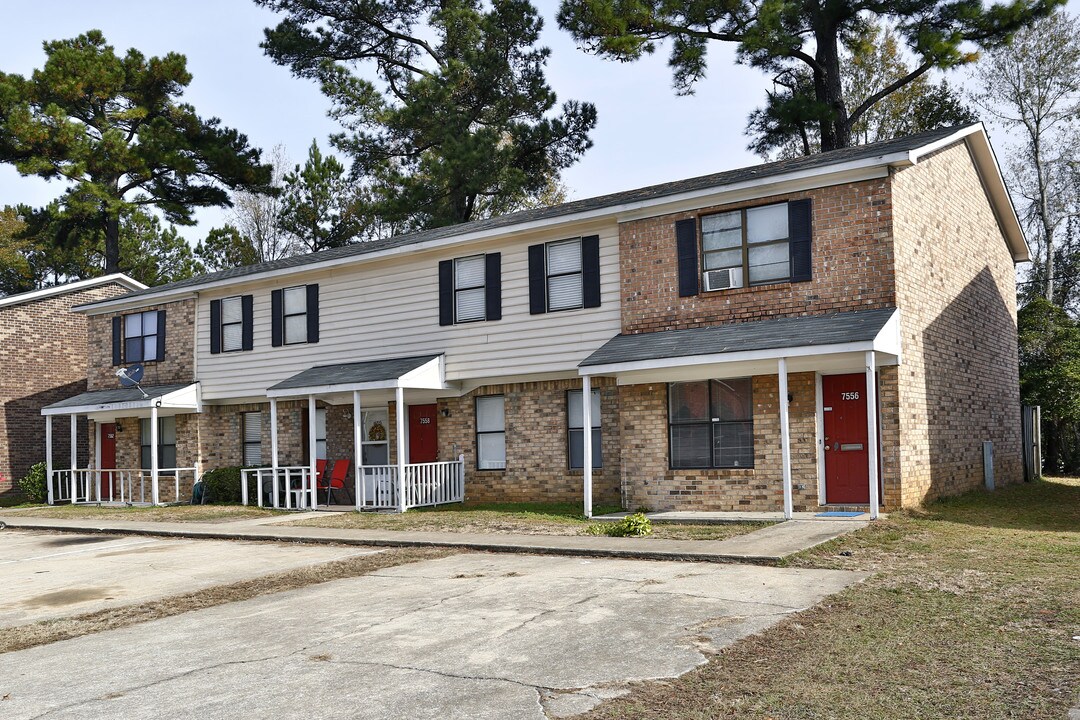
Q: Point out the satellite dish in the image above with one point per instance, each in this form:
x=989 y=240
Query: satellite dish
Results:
x=132 y=376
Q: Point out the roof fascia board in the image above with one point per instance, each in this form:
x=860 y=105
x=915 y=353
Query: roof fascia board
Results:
x=750 y=191
x=185 y=398
x=34 y=295
x=730 y=357
x=867 y=168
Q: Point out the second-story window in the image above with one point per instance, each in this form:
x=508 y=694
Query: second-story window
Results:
x=564 y=275
x=747 y=247
x=295 y=315
x=469 y=296
x=564 y=289
x=231 y=324
x=138 y=337
x=470 y=289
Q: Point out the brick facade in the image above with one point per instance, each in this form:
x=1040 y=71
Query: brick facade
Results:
x=852 y=265
x=537 y=464
x=956 y=287
x=43 y=349
x=178 y=365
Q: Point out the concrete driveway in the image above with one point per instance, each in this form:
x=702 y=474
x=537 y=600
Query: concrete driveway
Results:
x=469 y=636
x=52 y=575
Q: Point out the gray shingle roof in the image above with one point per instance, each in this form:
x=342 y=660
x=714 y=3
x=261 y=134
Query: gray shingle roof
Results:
x=353 y=373
x=862 y=325
x=652 y=192
x=118 y=395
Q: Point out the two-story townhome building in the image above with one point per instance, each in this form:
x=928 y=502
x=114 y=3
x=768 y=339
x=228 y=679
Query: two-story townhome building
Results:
x=827 y=331
x=43 y=360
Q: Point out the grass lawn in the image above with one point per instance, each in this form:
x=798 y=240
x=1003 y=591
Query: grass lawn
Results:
x=513 y=518
x=972 y=614
x=176 y=513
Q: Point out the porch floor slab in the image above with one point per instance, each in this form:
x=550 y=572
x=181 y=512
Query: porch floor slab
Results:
x=767 y=546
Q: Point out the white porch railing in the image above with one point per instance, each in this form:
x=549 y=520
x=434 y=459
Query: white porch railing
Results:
x=290 y=488
x=426 y=484
x=122 y=485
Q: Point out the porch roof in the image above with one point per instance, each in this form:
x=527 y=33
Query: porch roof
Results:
x=420 y=371
x=181 y=396
x=758 y=340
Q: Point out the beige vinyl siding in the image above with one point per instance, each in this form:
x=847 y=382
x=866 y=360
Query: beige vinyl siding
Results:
x=390 y=308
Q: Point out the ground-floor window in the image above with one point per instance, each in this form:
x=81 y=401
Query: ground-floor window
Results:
x=166 y=442
x=252 y=430
x=711 y=424
x=490 y=432
x=575 y=430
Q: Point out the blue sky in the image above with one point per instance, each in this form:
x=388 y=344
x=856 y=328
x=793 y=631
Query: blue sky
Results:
x=645 y=134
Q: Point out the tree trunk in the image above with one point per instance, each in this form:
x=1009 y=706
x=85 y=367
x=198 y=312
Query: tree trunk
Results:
x=112 y=242
x=836 y=131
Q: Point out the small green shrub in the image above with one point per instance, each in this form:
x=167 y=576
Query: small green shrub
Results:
x=222 y=486
x=34 y=485
x=636 y=525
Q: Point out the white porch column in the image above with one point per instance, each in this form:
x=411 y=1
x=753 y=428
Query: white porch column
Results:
x=313 y=447
x=154 y=440
x=75 y=455
x=586 y=424
x=48 y=456
x=871 y=431
x=358 y=451
x=785 y=438
x=273 y=455
x=399 y=407
x=97 y=460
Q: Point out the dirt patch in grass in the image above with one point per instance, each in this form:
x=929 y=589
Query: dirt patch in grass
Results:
x=49 y=631
x=173 y=513
x=512 y=519
x=971 y=614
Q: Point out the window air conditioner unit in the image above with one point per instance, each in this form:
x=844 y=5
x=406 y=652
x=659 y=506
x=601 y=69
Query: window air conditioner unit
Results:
x=723 y=279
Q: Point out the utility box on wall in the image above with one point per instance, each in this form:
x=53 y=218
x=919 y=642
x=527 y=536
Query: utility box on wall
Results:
x=988 y=464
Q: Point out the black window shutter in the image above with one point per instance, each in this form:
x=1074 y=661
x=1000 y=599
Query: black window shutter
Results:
x=799 y=229
x=277 y=308
x=247 y=306
x=537 y=280
x=687 y=248
x=590 y=271
x=446 y=292
x=313 y=313
x=493 y=286
x=215 y=327
x=160 y=336
x=117 y=340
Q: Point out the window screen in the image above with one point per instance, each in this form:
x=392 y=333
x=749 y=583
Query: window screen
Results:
x=252 y=425
x=469 y=293
x=575 y=419
x=564 y=288
x=490 y=433
x=232 y=324
x=711 y=424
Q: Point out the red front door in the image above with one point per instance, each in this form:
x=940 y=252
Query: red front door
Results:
x=423 y=433
x=847 y=473
x=108 y=458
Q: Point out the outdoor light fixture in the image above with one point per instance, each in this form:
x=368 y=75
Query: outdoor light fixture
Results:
x=445 y=412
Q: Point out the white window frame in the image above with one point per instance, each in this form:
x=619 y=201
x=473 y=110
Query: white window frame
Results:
x=548 y=274
x=285 y=315
x=239 y=300
x=482 y=287
x=578 y=430
x=489 y=463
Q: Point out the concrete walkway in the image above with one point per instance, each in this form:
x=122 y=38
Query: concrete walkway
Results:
x=767 y=546
x=696 y=517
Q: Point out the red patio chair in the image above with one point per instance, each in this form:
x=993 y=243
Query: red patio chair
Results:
x=336 y=481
